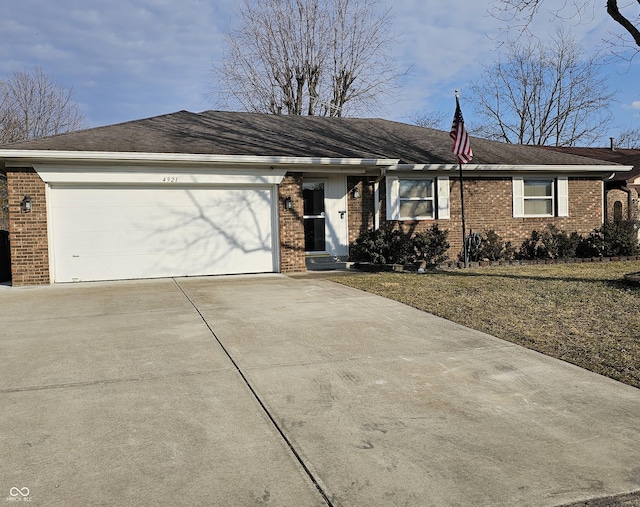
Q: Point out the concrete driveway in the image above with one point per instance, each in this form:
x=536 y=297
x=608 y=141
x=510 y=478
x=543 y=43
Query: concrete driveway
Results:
x=291 y=392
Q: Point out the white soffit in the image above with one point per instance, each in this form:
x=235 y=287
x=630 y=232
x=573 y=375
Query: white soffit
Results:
x=15 y=157
x=504 y=168
x=140 y=175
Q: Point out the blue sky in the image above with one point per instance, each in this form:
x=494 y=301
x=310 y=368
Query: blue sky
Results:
x=132 y=59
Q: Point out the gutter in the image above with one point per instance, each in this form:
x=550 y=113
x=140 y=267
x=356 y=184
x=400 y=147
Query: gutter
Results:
x=16 y=157
x=602 y=169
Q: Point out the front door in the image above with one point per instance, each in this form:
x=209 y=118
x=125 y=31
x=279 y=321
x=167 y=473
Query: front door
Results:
x=325 y=215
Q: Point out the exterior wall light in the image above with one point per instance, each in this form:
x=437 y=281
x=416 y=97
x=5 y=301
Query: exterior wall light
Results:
x=355 y=193
x=288 y=203
x=25 y=204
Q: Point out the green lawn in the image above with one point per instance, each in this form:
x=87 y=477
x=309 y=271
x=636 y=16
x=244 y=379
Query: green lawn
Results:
x=581 y=313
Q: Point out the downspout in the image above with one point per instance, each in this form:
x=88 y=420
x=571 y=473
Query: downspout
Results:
x=629 y=202
x=605 y=200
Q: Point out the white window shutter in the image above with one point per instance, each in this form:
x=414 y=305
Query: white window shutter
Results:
x=518 y=196
x=393 y=198
x=444 y=212
x=563 y=196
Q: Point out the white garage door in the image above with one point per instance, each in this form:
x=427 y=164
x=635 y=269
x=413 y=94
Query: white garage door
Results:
x=113 y=233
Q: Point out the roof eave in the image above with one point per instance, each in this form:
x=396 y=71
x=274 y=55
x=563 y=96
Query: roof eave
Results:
x=604 y=169
x=14 y=158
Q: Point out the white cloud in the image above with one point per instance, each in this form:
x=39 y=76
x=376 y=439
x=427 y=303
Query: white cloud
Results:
x=148 y=56
x=129 y=59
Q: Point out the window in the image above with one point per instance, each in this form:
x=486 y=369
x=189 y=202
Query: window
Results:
x=540 y=197
x=417 y=198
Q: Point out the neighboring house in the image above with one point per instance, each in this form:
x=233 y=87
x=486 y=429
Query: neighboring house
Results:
x=622 y=190
x=224 y=193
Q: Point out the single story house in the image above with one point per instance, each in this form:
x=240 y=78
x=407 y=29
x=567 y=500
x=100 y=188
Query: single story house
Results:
x=223 y=193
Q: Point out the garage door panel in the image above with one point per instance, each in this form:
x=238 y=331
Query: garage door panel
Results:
x=118 y=233
x=136 y=240
x=155 y=266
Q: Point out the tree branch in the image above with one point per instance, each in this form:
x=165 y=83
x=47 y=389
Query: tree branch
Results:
x=614 y=12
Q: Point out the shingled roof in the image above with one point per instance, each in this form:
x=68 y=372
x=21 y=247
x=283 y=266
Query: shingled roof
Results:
x=624 y=156
x=233 y=133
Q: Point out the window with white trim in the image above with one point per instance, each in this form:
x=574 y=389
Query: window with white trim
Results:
x=540 y=197
x=416 y=199
x=411 y=198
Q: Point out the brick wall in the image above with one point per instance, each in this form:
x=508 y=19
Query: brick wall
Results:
x=628 y=208
x=292 y=257
x=489 y=205
x=28 y=231
x=360 y=211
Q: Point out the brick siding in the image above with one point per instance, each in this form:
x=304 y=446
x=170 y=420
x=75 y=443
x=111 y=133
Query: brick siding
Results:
x=292 y=256
x=489 y=206
x=28 y=231
x=628 y=208
x=361 y=210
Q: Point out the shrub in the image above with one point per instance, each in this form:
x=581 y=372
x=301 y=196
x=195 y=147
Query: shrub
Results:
x=431 y=246
x=557 y=244
x=529 y=247
x=620 y=238
x=592 y=245
x=391 y=246
x=611 y=240
x=382 y=246
x=551 y=243
x=491 y=248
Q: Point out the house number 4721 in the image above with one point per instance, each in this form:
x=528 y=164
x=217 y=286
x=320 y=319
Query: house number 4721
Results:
x=170 y=179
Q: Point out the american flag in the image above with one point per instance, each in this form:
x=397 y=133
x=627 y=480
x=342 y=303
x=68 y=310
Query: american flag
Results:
x=461 y=146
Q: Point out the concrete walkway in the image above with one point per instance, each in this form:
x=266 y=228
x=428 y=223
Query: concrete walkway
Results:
x=291 y=392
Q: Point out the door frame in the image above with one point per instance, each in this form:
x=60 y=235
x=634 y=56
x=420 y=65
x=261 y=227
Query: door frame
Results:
x=335 y=214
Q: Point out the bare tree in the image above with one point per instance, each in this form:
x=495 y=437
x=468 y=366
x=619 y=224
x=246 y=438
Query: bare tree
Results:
x=520 y=13
x=32 y=105
x=543 y=95
x=430 y=119
x=315 y=57
x=629 y=138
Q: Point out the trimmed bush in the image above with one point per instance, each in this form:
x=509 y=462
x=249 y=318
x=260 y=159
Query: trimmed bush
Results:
x=382 y=246
x=551 y=243
x=557 y=244
x=388 y=245
x=431 y=246
x=591 y=246
x=613 y=239
x=620 y=238
x=491 y=248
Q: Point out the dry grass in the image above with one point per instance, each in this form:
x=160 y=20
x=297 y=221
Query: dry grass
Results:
x=581 y=313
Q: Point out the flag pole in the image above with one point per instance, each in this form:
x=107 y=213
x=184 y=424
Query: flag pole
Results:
x=465 y=253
